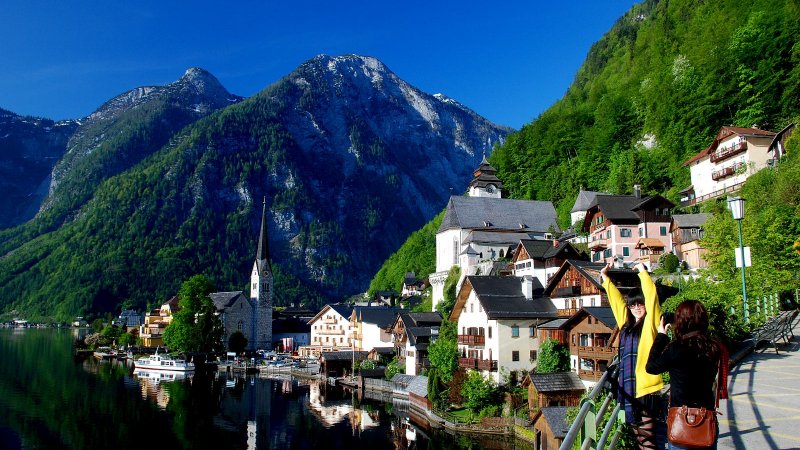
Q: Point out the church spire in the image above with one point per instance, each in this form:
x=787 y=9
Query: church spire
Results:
x=262 y=253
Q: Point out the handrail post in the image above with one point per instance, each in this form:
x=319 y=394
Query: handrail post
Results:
x=589 y=432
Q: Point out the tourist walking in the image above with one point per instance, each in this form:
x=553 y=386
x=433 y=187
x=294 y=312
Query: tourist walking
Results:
x=694 y=361
x=637 y=315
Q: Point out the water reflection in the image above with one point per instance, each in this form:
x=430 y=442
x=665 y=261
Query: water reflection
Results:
x=52 y=399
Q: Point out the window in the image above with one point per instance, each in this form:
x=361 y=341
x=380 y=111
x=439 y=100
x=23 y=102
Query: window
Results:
x=490 y=332
x=532 y=331
x=625 y=232
x=514 y=331
x=641 y=232
x=533 y=355
x=626 y=251
x=455 y=251
x=663 y=231
x=515 y=355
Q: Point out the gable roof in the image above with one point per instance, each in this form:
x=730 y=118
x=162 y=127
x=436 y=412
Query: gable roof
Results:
x=587 y=269
x=557 y=382
x=690 y=220
x=381 y=316
x=584 y=200
x=602 y=313
x=341 y=309
x=417 y=332
x=649 y=243
x=554 y=324
x=545 y=249
x=556 y=417
x=418 y=386
x=487 y=213
x=725 y=132
x=502 y=298
x=224 y=300
x=621 y=209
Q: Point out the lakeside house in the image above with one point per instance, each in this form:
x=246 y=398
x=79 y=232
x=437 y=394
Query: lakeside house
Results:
x=331 y=330
x=412 y=333
x=497 y=319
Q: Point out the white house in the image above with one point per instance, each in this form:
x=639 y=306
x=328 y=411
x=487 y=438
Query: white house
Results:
x=541 y=259
x=330 y=330
x=480 y=230
x=372 y=326
x=497 y=319
x=722 y=167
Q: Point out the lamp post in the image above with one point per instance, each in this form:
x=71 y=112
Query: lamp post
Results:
x=736 y=205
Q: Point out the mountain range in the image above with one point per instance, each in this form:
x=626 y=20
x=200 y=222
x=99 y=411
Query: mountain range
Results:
x=164 y=182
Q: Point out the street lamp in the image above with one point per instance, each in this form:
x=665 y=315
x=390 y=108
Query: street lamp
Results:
x=736 y=205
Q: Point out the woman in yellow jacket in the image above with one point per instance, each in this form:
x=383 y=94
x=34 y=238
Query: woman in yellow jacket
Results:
x=638 y=314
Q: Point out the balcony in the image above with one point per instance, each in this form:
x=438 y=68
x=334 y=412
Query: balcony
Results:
x=590 y=374
x=567 y=312
x=471 y=339
x=605 y=353
x=330 y=331
x=570 y=291
x=727 y=153
x=722 y=173
x=598 y=244
x=478 y=364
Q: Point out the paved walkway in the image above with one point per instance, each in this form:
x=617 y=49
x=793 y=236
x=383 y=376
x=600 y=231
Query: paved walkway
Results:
x=763 y=411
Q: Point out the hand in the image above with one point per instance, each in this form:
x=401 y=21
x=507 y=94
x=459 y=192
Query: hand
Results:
x=640 y=267
x=663 y=327
x=604 y=272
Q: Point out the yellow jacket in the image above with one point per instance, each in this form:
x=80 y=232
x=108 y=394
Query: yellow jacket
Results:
x=645 y=382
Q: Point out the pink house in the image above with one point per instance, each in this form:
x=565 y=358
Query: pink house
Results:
x=620 y=226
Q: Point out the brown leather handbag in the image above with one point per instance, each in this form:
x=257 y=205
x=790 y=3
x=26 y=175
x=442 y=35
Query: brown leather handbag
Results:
x=691 y=427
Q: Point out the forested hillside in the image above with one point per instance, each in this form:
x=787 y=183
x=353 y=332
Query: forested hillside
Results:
x=652 y=93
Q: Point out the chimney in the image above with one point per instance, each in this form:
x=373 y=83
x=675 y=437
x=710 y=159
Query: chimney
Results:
x=637 y=191
x=527 y=287
x=555 y=242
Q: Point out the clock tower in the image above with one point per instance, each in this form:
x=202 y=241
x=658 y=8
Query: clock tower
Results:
x=485 y=182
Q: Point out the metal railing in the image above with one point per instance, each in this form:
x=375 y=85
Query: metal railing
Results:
x=586 y=426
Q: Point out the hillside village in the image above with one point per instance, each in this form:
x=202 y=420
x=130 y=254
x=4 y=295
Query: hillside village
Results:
x=520 y=281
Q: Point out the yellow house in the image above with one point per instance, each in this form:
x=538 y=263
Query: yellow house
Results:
x=156 y=321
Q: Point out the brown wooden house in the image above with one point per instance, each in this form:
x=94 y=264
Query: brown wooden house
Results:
x=553 y=389
x=593 y=341
x=550 y=427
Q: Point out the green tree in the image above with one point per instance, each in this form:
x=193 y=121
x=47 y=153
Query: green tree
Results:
x=394 y=367
x=478 y=392
x=445 y=306
x=668 y=262
x=443 y=352
x=195 y=327
x=237 y=342
x=553 y=357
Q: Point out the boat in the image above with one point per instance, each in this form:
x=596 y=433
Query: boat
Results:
x=163 y=361
x=157 y=376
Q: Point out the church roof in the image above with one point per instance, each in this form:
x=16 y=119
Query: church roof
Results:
x=262 y=252
x=224 y=300
x=486 y=213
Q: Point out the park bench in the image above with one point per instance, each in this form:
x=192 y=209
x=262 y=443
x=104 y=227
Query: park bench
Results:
x=776 y=329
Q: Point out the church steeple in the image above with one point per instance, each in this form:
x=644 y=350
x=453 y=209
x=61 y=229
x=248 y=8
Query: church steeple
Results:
x=262 y=252
x=484 y=182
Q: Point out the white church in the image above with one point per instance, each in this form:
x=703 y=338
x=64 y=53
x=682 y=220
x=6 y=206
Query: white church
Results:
x=480 y=230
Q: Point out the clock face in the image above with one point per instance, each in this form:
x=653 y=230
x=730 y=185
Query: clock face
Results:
x=490 y=189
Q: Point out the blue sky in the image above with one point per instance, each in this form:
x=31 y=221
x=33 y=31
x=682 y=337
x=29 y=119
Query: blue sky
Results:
x=508 y=61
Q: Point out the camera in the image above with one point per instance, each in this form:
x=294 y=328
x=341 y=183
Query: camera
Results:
x=668 y=317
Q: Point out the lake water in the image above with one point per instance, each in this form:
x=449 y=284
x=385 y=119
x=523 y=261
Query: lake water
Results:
x=50 y=399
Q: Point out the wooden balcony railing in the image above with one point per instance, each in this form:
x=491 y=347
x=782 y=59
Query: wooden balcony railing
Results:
x=567 y=312
x=606 y=353
x=725 y=154
x=722 y=173
x=569 y=291
x=478 y=364
x=471 y=339
x=330 y=331
x=590 y=374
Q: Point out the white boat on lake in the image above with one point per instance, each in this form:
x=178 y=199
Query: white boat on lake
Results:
x=163 y=361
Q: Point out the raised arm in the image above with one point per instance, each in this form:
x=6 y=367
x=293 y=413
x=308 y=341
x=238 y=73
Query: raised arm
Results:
x=615 y=300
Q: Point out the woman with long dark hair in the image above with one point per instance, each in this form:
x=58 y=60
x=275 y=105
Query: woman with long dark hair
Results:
x=693 y=360
x=637 y=315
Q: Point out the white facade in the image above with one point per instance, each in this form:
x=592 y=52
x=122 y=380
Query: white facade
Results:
x=723 y=170
x=509 y=342
x=373 y=336
x=330 y=331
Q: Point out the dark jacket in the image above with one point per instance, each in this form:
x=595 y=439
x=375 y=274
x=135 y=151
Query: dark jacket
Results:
x=691 y=375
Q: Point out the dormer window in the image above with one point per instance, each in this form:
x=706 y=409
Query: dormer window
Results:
x=486 y=223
